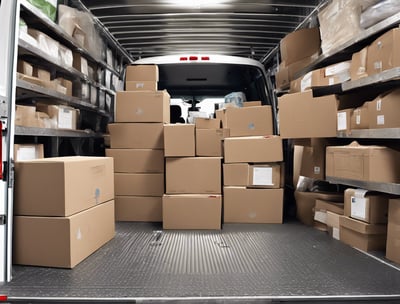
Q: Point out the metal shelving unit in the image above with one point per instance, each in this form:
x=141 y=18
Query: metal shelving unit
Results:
x=29 y=131
x=392 y=133
x=385 y=76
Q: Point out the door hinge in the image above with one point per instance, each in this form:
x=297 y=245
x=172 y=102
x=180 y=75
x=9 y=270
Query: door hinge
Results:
x=3 y=219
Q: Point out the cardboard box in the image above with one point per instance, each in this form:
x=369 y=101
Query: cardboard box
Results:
x=305 y=204
x=192 y=211
x=384 y=52
x=358 y=68
x=253 y=175
x=24 y=67
x=253 y=149
x=28 y=152
x=63 y=117
x=300 y=44
x=282 y=79
x=303 y=116
x=137 y=160
x=361 y=235
x=141 y=86
x=209 y=142
x=138 y=208
x=248 y=121
x=242 y=205
x=67 y=84
x=137 y=135
x=139 y=184
x=143 y=106
x=80 y=64
x=363 y=163
x=193 y=175
x=25 y=116
x=179 y=140
x=207 y=123
x=312 y=160
x=344 y=120
x=256 y=103
x=393 y=232
x=42 y=74
x=62 y=186
x=331 y=75
x=62 y=241
x=368 y=207
x=360 y=118
x=383 y=111
x=142 y=73
x=322 y=207
x=333 y=224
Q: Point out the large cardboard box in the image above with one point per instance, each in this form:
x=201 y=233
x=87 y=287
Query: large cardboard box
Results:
x=393 y=232
x=363 y=163
x=62 y=241
x=179 y=140
x=137 y=135
x=253 y=149
x=242 y=205
x=141 y=86
x=384 y=110
x=192 y=211
x=305 y=204
x=28 y=152
x=209 y=141
x=138 y=208
x=62 y=186
x=137 y=160
x=300 y=44
x=248 y=121
x=360 y=118
x=253 y=175
x=142 y=73
x=361 y=235
x=193 y=175
x=142 y=107
x=303 y=116
x=139 y=184
x=364 y=206
x=384 y=52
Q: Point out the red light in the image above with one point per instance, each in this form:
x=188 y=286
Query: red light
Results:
x=183 y=59
x=193 y=58
x=3 y=298
x=205 y=58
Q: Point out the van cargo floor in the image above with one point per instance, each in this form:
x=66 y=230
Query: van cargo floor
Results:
x=240 y=264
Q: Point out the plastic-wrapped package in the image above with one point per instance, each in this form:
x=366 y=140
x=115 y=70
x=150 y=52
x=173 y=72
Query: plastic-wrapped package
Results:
x=48 y=7
x=339 y=22
x=379 y=12
x=45 y=43
x=235 y=99
x=65 y=55
x=368 y=3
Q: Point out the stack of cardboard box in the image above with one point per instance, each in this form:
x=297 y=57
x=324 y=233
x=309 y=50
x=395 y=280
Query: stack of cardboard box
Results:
x=393 y=231
x=136 y=141
x=64 y=209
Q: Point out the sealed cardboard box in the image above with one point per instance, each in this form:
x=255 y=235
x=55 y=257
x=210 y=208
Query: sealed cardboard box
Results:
x=256 y=103
x=253 y=175
x=253 y=149
x=192 y=211
x=61 y=186
x=207 y=123
x=62 y=241
x=305 y=204
x=193 y=175
x=179 y=140
x=142 y=73
x=137 y=106
x=333 y=224
x=322 y=207
x=282 y=78
x=242 y=205
x=363 y=163
x=209 y=141
x=24 y=67
x=138 y=208
x=80 y=64
x=368 y=207
x=141 y=86
x=393 y=232
x=137 y=135
x=139 y=184
x=236 y=174
x=137 y=160
x=248 y=121
x=63 y=117
x=362 y=235
x=28 y=152
x=384 y=111
x=25 y=116
x=360 y=118
x=312 y=159
x=333 y=74
x=358 y=68
x=303 y=116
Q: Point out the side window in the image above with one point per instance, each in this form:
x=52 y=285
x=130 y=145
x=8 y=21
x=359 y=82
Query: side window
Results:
x=179 y=109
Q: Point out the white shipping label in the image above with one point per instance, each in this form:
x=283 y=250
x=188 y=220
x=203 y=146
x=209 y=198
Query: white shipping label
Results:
x=378 y=65
x=262 y=176
x=335 y=233
x=379 y=105
x=317 y=170
x=26 y=153
x=320 y=216
x=140 y=85
x=65 y=119
x=358 y=119
x=341 y=121
x=331 y=80
x=306 y=82
x=358 y=207
x=139 y=111
x=360 y=192
x=380 y=120
x=79 y=234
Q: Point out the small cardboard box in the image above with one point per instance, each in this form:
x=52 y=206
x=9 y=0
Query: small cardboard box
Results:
x=361 y=235
x=193 y=175
x=192 y=211
x=141 y=86
x=331 y=75
x=138 y=208
x=80 y=64
x=143 y=106
x=242 y=205
x=136 y=135
x=137 y=160
x=142 y=73
x=139 y=184
x=363 y=163
x=303 y=116
x=209 y=142
x=62 y=241
x=28 y=152
x=333 y=224
x=322 y=207
x=393 y=232
x=368 y=207
x=62 y=186
x=179 y=140
x=25 y=68
x=358 y=68
x=383 y=111
x=63 y=117
x=360 y=118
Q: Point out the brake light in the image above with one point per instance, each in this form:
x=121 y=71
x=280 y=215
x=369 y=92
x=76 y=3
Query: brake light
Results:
x=183 y=59
x=193 y=58
x=3 y=298
x=205 y=58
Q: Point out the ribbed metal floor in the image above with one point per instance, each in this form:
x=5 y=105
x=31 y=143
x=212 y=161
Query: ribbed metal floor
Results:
x=243 y=262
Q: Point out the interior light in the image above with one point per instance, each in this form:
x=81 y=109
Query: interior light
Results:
x=198 y=3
